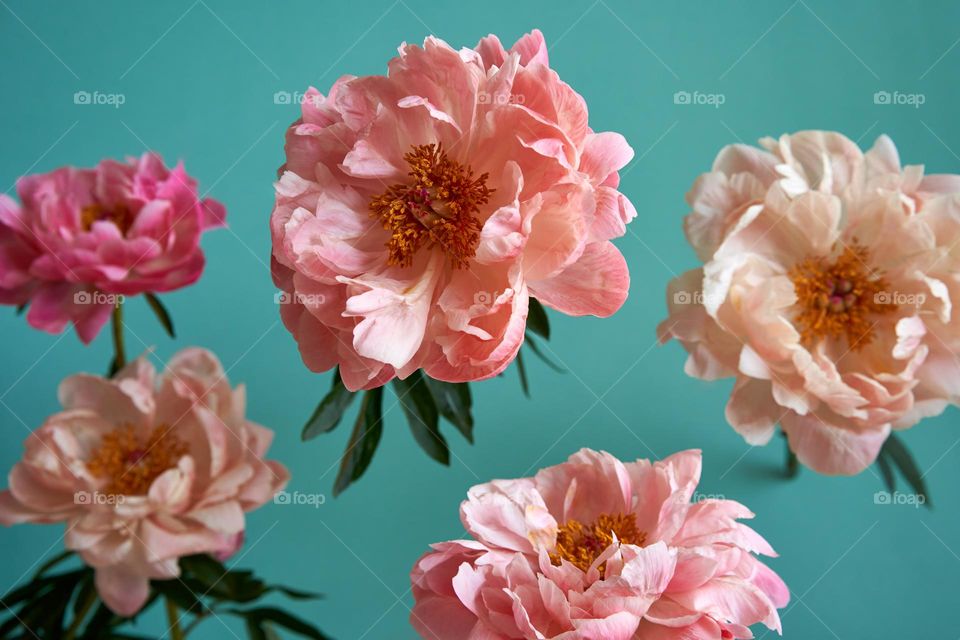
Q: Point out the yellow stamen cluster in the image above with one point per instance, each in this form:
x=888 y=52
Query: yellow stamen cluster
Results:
x=437 y=207
x=119 y=215
x=840 y=298
x=130 y=463
x=582 y=544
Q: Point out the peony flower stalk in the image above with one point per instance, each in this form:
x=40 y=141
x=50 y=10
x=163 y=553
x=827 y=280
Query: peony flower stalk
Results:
x=422 y=217
x=82 y=240
x=826 y=292
x=144 y=471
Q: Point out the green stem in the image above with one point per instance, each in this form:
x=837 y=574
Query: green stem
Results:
x=176 y=633
x=793 y=466
x=120 y=357
x=81 y=615
x=200 y=617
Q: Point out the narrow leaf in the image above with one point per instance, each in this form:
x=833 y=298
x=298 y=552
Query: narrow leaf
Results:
x=295 y=594
x=422 y=416
x=162 y=314
x=328 y=413
x=363 y=441
x=523 y=374
x=530 y=342
x=180 y=594
x=886 y=471
x=454 y=402
x=52 y=562
x=537 y=320
x=903 y=459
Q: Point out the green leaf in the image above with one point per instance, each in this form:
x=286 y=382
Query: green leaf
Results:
x=903 y=459
x=181 y=595
x=887 y=472
x=206 y=569
x=87 y=591
x=52 y=562
x=454 y=402
x=530 y=342
x=256 y=617
x=295 y=594
x=162 y=314
x=522 y=370
x=363 y=441
x=537 y=320
x=101 y=620
x=422 y=416
x=21 y=308
x=328 y=413
x=255 y=628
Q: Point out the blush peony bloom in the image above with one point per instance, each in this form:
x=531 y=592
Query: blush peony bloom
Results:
x=80 y=237
x=826 y=292
x=418 y=212
x=143 y=473
x=598 y=549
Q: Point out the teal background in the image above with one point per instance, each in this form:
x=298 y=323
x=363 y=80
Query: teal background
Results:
x=199 y=80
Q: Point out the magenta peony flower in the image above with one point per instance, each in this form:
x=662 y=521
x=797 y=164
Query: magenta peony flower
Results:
x=598 y=549
x=81 y=237
x=145 y=473
x=418 y=212
x=826 y=292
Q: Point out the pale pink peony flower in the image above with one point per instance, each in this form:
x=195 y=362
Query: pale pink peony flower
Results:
x=144 y=472
x=418 y=212
x=598 y=549
x=120 y=228
x=826 y=292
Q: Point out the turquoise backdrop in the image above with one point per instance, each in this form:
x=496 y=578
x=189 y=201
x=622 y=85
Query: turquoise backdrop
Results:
x=199 y=80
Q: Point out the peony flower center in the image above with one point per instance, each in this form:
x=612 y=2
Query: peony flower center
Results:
x=582 y=544
x=437 y=206
x=840 y=298
x=130 y=463
x=119 y=215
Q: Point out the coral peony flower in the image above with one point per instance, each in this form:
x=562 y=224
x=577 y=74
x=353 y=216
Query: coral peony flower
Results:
x=826 y=292
x=81 y=237
x=145 y=473
x=418 y=212
x=598 y=549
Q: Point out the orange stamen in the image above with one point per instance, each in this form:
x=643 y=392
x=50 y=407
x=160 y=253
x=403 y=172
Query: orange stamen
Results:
x=582 y=544
x=438 y=206
x=840 y=298
x=131 y=463
x=119 y=215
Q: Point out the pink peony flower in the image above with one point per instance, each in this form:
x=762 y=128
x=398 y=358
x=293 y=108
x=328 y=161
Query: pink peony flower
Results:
x=826 y=293
x=145 y=473
x=598 y=549
x=117 y=229
x=418 y=212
